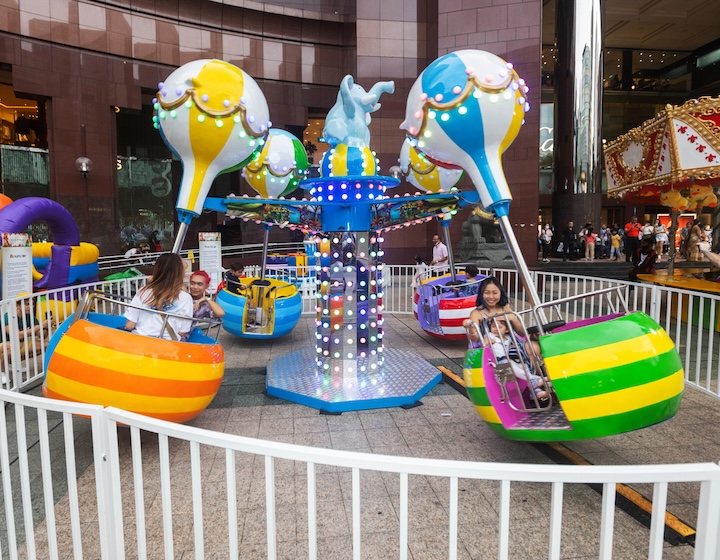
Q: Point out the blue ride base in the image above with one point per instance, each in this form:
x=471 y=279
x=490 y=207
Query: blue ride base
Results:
x=402 y=380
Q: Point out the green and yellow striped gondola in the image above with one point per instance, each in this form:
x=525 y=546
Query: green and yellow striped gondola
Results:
x=610 y=375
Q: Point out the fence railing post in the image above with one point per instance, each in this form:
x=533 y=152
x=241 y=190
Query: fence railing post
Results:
x=655 y=303
x=107 y=486
x=707 y=541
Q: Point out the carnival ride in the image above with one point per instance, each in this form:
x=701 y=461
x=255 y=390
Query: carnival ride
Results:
x=605 y=375
x=440 y=305
x=90 y=359
x=349 y=368
x=672 y=160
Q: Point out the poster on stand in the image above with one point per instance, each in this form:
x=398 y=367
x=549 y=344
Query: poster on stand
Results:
x=16 y=264
x=211 y=256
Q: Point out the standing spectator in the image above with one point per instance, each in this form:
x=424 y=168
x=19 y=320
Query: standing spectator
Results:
x=633 y=231
x=546 y=238
x=661 y=237
x=708 y=236
x=421 y=273
x=581 y=239
x=602 y=243
x=621 y=233
x=569 y=240
x=440 y=256
x=684 y=232
x=590 y=239
x=154 y=242
x=615 y=242
x=695 y=236
x=648 y=229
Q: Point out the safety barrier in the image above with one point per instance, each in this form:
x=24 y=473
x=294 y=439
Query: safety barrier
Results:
x=98 y=500
x=104 y=483
x=692 y=319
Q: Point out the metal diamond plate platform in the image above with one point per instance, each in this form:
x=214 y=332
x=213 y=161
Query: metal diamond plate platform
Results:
x=402 y=380
x=552 y=419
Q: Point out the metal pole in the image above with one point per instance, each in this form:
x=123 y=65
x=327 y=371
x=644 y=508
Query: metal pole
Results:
x=265 y=252
x=446 y=232
x=521 y=265
x=180 y=237
x=672 y=253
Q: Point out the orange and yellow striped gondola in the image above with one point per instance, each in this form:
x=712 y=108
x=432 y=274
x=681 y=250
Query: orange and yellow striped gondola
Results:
x=90 y=360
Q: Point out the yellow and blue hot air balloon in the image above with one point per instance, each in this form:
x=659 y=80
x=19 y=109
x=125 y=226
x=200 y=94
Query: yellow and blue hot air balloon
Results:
x=214 y=117
x=424 y=174
x=605 y=375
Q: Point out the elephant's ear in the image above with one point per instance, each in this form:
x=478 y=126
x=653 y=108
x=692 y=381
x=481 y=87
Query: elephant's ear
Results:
x=346 y=87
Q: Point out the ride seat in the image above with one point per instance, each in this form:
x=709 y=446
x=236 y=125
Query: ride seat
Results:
x=547 y=328
x=258 y=316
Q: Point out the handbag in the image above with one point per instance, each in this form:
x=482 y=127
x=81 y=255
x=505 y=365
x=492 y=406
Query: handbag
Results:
x=560 y=247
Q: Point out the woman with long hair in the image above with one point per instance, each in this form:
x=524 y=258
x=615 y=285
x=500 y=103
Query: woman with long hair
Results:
x=164 y=292
x=491 y=300
x=492 y=304
x=695 y=236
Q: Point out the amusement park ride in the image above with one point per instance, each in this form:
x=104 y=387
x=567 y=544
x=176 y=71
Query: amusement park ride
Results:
x=606 y=375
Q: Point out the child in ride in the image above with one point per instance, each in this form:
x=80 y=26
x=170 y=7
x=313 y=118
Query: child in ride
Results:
x=506 y=351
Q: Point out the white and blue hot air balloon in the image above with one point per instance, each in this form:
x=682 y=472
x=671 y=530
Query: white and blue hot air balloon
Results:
x=464 y=110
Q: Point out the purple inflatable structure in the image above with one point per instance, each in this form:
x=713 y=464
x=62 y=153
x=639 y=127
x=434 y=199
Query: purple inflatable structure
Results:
x=17 y=216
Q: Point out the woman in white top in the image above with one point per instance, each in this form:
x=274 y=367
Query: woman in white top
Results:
x=164 y=292
x=661 y=237
x=648 y=230
x=421 y=273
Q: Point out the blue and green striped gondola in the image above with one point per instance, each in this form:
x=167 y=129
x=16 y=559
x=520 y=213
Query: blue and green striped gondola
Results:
x=611 y=374
x=278 y=309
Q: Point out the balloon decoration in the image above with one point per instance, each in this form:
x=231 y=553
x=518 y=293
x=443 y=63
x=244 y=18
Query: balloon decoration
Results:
x=345 y=161
x=425 y=175
x=464 y=110
x=276 y=170
x=214 y=117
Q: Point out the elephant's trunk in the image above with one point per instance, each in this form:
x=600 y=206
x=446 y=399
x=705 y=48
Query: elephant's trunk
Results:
x=382 y=87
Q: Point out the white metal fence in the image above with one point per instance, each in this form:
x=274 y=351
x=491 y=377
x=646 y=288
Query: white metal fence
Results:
x=80 y=481
x=74 y=484
x=692 y=319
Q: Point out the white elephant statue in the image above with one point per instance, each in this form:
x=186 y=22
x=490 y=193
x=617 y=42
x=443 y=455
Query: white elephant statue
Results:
x=348 y=120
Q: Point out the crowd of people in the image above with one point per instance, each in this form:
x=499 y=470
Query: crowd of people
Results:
x=618 y=243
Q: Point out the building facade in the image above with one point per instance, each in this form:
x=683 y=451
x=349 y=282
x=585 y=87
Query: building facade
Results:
x=77 y=78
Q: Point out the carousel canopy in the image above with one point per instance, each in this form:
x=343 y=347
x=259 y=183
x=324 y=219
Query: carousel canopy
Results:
x=673 y=159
